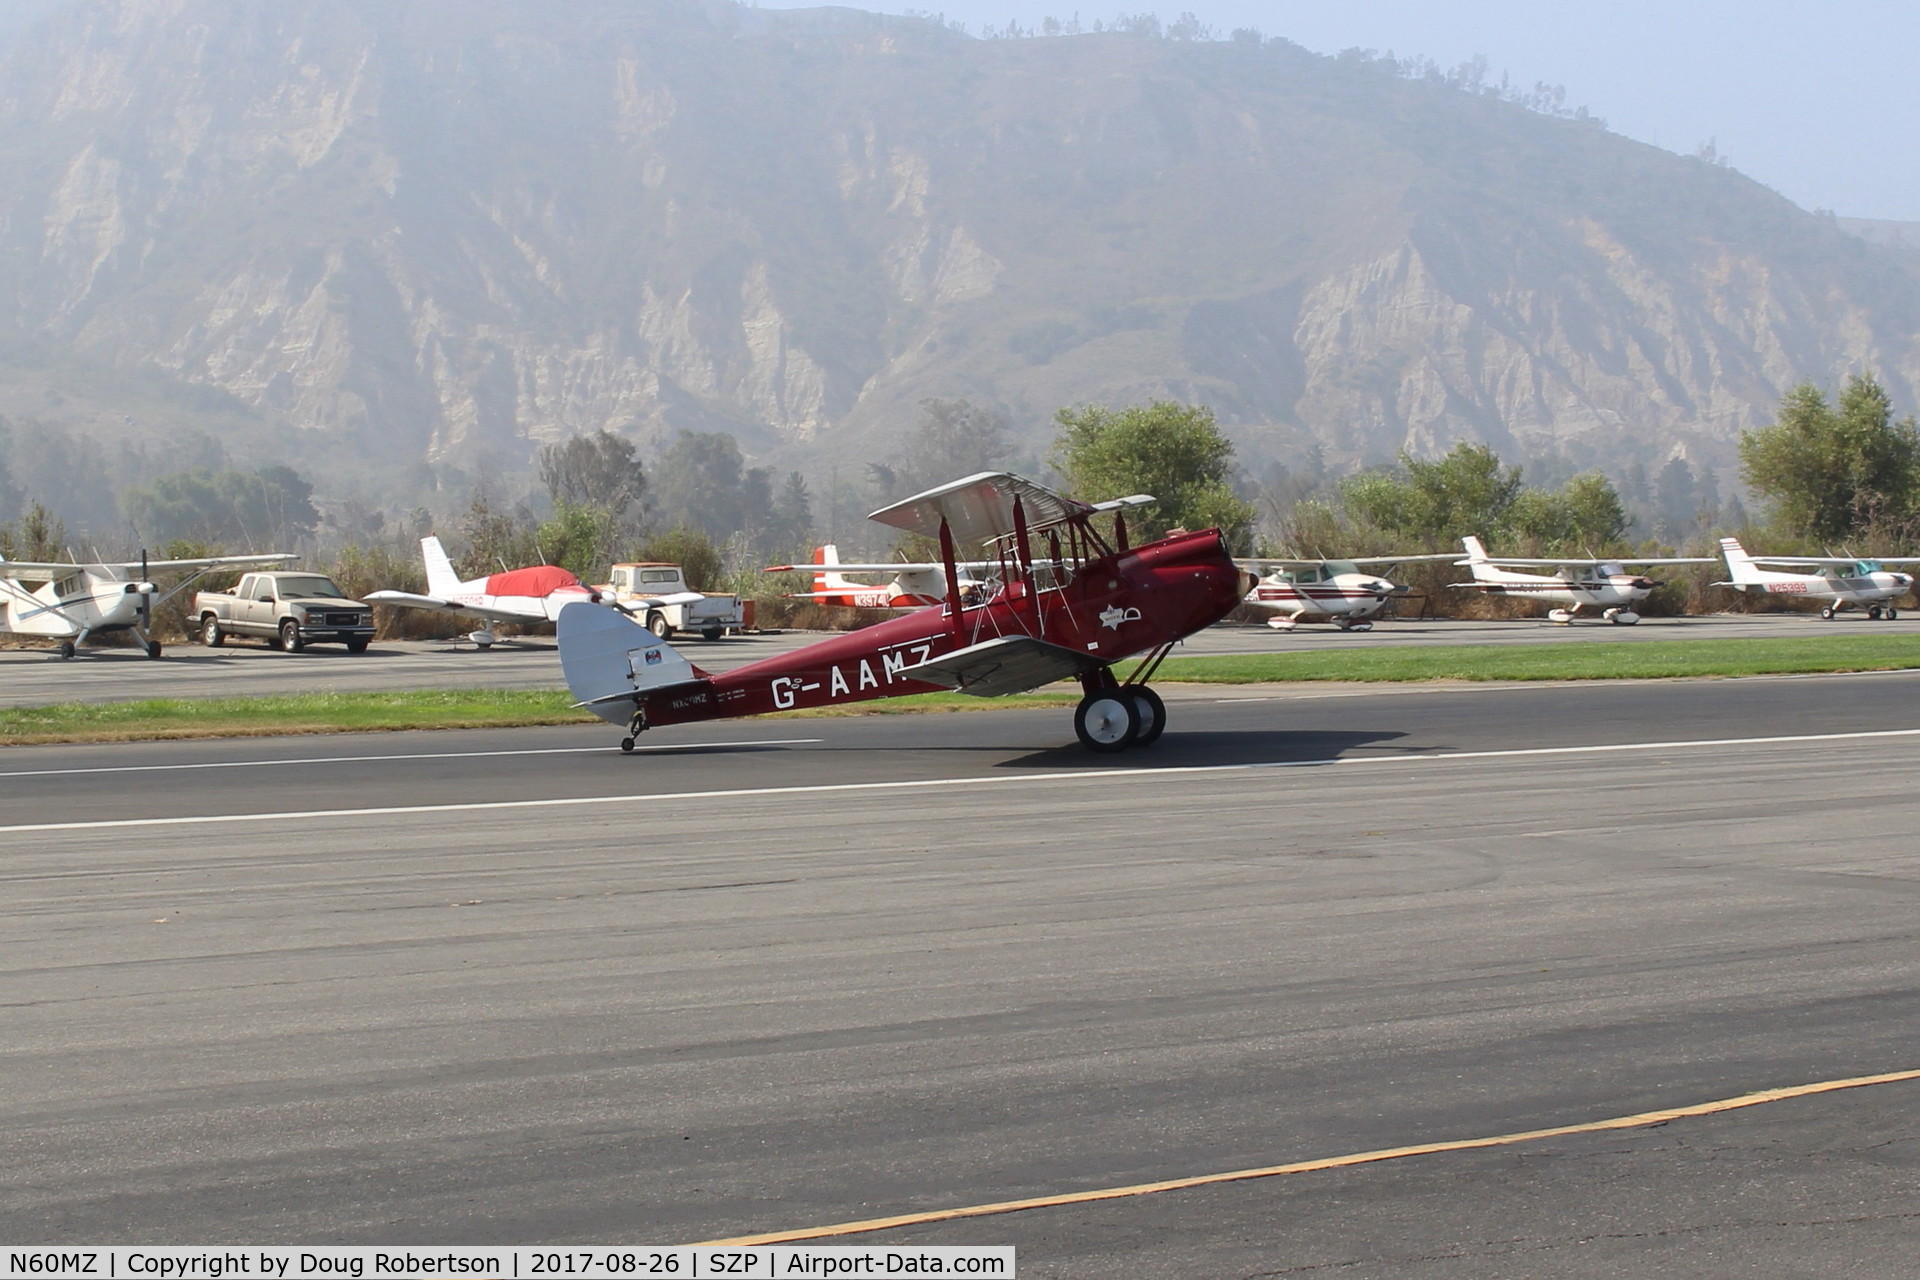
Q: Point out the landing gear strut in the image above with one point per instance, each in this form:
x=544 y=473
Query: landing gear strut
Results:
x=635 y=727
x=1114 y=716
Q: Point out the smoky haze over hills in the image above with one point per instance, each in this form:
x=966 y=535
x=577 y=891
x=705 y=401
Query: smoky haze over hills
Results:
x=383 y=235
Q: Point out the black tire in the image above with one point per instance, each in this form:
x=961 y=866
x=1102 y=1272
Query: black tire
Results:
x=658 y=624
x=1827 y=613
x=1891 y=613
x=153 y=648
x=210 y=633
x=1153 y=715
x=66 y=649
x=1106 y=721
x=290 y=639
x=626 y=744
x=712 y=633
x=1873 y=613
x=358 y=646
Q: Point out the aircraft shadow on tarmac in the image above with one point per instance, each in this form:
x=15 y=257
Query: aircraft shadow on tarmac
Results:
x=1212 y=747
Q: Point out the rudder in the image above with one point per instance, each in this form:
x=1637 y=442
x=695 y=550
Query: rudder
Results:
x=441 y=579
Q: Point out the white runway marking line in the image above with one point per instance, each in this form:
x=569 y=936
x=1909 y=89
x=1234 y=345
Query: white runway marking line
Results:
x=423 y=755
x=826 y=788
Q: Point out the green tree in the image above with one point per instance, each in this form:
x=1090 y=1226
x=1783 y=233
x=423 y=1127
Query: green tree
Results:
x=496 y=539
x=699 y=559
x=37 y=535
x=599 y=470
x=699 y=483
x=1173 y=451
x=579 y=538
x=271 y=506
x=1467 y=491
x=1835 y=472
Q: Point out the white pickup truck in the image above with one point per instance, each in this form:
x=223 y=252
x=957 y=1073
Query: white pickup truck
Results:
x=710 y=614
x=292 y=608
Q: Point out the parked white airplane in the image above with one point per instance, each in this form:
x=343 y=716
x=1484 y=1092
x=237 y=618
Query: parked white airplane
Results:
x=1582 y=584
x=909 y=585
x=77 y=601
x=1312 y=590
x=1841 y=580
x=534 y=594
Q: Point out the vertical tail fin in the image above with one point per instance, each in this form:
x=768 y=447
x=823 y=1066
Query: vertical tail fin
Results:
x=825 y=579
x=1740 y=565
x=441 y=579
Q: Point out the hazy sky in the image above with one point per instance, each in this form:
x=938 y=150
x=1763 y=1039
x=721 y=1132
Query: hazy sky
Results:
x=1818 y=99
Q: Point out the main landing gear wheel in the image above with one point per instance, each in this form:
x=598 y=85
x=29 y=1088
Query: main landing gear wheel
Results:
x=1152 y=713
x=211 y=635
x=1107 y=720
x=626 y=744
x=1891 y=613
x=1827 y=613
x=1873 y=613
x=66 y=649
x=153 y=648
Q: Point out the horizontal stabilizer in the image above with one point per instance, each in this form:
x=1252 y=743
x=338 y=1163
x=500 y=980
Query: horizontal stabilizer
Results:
x=1008 y=664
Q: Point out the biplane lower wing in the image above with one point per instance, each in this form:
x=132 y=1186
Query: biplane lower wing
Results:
x=1006 y=664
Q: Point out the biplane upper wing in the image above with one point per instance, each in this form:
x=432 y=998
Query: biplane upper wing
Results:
x=1005 y=664
x=979 y=508
x=42 y=571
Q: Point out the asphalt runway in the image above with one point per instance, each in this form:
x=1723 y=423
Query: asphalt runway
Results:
x=519 y=988
x=31 y=676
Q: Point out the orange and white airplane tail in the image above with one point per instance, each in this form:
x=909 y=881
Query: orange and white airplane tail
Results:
x=825 y=580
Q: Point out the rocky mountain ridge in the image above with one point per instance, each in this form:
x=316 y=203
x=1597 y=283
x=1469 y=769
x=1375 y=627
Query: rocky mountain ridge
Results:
x=429 y=230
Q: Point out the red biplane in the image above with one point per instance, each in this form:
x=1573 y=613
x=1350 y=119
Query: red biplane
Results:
x=1070 y=603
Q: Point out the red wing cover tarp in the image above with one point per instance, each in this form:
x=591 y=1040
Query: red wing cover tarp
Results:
x=540 y=580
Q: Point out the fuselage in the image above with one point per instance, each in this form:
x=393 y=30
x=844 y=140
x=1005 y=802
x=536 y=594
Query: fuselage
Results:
x=1329 y=591
x=86 y=601
x=1109 y=608
x=1872 y=587
x=534 y=608
x=1608 y=587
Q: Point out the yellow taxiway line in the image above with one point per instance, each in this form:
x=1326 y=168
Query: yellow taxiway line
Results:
x=1641 y=1120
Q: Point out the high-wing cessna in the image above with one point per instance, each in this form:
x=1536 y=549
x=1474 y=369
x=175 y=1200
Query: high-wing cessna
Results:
x=909 y=586
x=76 y=601
x=1069 y=603
x=1335 y=590
x=1842 y=581
x=1582 y=584
x=534 y=594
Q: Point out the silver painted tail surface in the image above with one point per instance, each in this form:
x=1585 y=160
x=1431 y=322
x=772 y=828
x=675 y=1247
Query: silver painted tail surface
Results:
x=607 y=658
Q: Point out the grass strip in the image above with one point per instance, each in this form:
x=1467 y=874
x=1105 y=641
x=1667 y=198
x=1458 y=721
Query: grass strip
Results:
x=1570 y=660
x=155 y=718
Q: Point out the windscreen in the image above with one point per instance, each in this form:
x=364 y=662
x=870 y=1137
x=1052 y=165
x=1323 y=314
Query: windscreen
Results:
x=315 y=587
